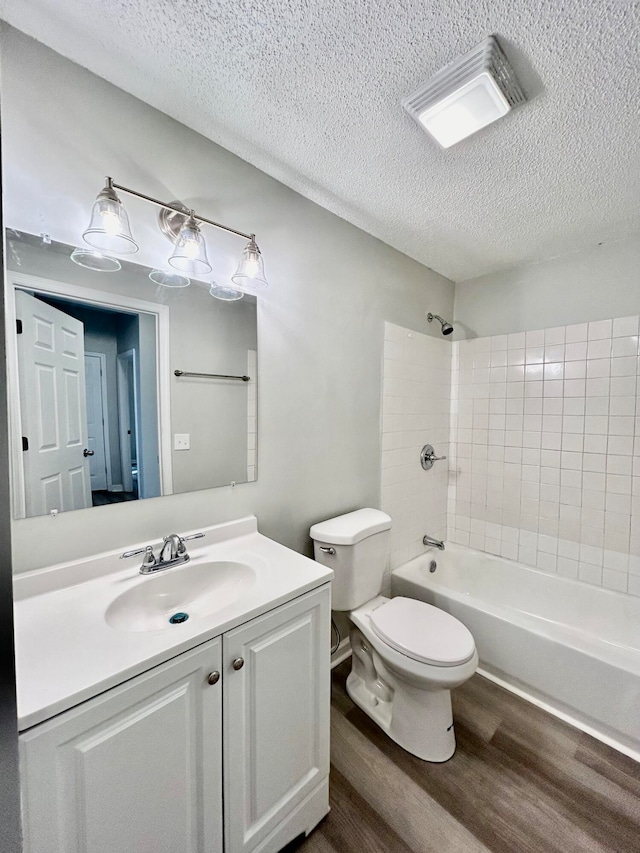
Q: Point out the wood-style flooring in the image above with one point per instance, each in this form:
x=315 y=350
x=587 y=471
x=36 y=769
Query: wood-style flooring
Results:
x=521 y=781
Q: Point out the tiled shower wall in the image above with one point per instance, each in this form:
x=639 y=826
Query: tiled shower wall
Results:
x=545 y=450
x=415 y=411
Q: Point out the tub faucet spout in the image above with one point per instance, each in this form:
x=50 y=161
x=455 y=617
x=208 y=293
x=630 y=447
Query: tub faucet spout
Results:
x=430 y=541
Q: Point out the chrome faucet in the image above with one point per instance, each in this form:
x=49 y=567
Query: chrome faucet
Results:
x=172 y=553
x=172 y=548
x=435 y=543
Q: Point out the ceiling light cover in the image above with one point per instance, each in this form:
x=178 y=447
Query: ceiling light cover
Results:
x=467 y=95
x=109 y=229
x=250 y=272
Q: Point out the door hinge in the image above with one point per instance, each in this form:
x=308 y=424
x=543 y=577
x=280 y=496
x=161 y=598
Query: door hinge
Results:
x=25 y=442
x=19 y=327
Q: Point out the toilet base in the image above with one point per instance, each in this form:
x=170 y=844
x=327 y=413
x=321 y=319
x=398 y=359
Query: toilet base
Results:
x=418 y=719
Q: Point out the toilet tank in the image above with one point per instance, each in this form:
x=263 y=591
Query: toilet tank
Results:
x=355 y=546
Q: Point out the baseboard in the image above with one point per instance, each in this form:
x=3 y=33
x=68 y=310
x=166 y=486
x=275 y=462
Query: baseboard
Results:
x=342 y=652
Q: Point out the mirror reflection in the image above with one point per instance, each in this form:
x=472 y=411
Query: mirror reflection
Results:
x=121 y=388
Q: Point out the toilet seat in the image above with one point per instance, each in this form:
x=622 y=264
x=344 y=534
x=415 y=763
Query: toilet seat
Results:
x=423 y=632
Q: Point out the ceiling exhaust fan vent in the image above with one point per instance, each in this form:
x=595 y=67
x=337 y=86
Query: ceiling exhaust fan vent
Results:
x=467 y=95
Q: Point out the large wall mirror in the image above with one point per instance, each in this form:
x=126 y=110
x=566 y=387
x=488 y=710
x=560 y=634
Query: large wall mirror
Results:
x=120 y=388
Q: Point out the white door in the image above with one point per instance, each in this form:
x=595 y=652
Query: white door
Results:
x=52 y=407
x=96 y=415
x=135 y=770
x=276 y=717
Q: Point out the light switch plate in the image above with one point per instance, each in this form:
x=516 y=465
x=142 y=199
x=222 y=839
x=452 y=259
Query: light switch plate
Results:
x=181 y=441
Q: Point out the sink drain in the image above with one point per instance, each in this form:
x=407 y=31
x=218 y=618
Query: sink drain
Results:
x=178 y=618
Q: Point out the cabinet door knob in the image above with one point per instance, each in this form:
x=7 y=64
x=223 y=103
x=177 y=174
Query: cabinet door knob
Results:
x=213 y=677
x=238 y=663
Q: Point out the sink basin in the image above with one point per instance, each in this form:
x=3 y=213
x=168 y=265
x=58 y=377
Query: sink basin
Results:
x=191 y=591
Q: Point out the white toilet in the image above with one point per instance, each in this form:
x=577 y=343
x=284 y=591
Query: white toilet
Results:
x=407 y=655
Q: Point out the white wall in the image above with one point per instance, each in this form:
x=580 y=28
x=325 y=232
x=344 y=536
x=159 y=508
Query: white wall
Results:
x=215 y=338
x=320 y=324
x=416 y=393
x=594 y=285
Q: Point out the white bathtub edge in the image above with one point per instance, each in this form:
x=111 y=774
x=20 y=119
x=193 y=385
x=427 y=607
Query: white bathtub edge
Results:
x=576 y=722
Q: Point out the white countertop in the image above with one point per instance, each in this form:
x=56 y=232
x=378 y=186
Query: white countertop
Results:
x=65 y=650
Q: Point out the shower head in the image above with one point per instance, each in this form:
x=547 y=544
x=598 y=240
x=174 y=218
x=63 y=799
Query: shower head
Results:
x=447 y=328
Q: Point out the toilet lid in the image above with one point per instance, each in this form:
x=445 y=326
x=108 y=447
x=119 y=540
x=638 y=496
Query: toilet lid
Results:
x=423 y=632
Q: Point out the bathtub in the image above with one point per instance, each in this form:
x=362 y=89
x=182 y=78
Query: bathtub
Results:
x=571 y=648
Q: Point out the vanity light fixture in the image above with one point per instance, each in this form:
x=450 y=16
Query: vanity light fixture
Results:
x=190 y=253
x=109 y=231
x=467 y=95
x=250 y=272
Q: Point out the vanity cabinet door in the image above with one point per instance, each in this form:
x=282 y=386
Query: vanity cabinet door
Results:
x=135 y=770
x=276 y=723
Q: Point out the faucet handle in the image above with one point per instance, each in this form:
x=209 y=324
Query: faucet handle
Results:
x=182 y=548
x=149 y=557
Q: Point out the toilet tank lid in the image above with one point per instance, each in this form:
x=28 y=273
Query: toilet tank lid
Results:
x=350 y=528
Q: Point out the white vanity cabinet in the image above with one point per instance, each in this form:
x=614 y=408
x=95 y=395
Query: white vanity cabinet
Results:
x=142 y=767
x=276 y=723
x=137 y=768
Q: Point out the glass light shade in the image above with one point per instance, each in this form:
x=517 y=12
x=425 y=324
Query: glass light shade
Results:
x=168 y=278
x=226 y=294
x=190 y=253
x=94 y=260
x=250 y=272
x=109 y=229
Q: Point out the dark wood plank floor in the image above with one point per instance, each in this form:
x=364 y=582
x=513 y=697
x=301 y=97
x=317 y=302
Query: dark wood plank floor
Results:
x=521 y=781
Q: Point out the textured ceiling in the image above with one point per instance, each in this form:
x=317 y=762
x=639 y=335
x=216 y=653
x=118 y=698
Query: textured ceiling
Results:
x=310 y=90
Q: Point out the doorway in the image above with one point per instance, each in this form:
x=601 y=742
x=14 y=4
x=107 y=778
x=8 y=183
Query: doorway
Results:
x=120 y=354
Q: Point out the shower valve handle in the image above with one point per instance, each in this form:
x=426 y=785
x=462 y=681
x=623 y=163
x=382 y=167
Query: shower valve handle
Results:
x=428 y=457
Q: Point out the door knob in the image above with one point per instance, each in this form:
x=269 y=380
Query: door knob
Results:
x=238 y=663
x=213 y=677
x=86 y=453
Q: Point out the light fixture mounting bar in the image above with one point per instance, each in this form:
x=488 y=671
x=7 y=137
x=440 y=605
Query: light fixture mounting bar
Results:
x=168 y=207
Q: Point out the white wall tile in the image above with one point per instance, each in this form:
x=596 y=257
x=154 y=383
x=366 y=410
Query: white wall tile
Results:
x=614 y=580
x=600 y=329
x=625 y=326
x=417 y=401
x=550 y=447
x=576 y=332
